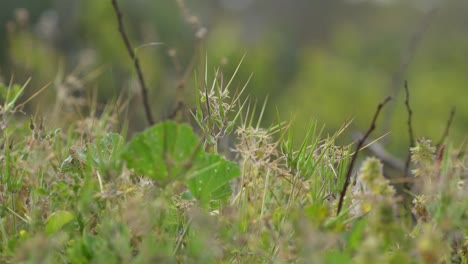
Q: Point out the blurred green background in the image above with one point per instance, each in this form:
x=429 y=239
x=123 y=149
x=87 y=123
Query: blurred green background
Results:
x=329 y=61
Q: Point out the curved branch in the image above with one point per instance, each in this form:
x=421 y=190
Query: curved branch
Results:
x=359 y=146
x=136 y=63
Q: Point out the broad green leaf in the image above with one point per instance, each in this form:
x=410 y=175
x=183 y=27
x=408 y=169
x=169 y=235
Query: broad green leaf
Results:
x=169 y=150
x=57 y=220
x=161 y=151
x=210 y=177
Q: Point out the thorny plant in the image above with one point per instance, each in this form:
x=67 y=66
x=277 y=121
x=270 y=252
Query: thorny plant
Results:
x=257 y=150
x=217 y=111
x=439 y=203
x=283 y=207
x=284 y=195
x=371 y=187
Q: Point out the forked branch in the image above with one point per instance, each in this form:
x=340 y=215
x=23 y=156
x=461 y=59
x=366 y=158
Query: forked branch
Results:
x=358 y=148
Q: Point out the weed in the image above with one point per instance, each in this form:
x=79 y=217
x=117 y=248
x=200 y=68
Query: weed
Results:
x=86 y=194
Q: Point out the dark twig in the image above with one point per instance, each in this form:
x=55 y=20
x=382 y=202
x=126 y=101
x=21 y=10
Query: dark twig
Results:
x=136 y=62
x=178 y=107
x=410 y=116
x=378 y=150
x=359 y=146
x=410 y=128
x=406 y=58
x=447 y=127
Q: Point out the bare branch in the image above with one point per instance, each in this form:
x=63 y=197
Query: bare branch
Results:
x=406 y=58
x=378 y=150
x=410 y=129
x=136 y=62
x=447 y=127
x=359 y=146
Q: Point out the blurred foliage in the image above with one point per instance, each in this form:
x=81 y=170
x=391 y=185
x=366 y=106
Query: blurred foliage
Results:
x=330 y=61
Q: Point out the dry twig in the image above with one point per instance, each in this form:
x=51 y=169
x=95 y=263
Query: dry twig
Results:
x=136 y=62
x=410 y=128
x=359 y=146
x=447 y=127
x=406 y=58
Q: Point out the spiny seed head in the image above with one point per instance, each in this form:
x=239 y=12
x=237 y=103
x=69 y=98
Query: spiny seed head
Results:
x=371 y=170
x=371 y=177
x=371 y=187
x=423 y=151
x=420 y=208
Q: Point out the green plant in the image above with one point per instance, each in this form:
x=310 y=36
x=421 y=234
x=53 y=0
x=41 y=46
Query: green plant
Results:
x=85 y=194
x=169 y=152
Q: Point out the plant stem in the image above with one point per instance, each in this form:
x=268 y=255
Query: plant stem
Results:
x=136 y=63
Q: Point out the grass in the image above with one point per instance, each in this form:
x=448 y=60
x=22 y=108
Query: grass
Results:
x=222 y=190
x=169 y=195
